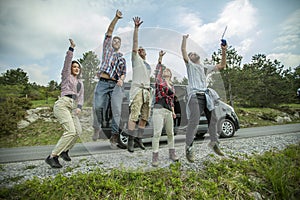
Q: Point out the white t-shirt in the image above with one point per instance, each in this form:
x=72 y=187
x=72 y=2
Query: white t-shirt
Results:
x=141 y=72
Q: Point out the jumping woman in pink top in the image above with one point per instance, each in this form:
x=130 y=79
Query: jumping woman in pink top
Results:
x=67 y=108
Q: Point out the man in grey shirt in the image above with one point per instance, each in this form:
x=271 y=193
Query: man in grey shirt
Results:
x=200 y=98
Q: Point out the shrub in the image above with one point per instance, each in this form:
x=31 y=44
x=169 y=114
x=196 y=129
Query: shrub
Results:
x=12 y=110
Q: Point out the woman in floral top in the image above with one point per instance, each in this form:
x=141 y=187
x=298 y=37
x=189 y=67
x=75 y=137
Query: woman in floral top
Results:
x=163 y=112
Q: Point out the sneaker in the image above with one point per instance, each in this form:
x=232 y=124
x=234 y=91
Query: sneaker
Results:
x=65 y=156
x=96 y=134
x=53 y=162
x=114 y=141
x=189 y=153
x=215 y=147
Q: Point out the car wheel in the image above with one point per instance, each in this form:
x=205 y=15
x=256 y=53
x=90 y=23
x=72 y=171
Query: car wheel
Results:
x=123 y=139
x=226 y=128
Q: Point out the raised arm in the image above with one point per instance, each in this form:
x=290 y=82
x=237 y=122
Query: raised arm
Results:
x=137 y=22
x=161 y=54
x=72 y=43
x=222 y=65
x=111 y=26
x=183 y=48
x=66 y=71
x=159 y=67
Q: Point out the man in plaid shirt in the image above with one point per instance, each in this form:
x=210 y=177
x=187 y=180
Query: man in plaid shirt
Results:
x=111 y=75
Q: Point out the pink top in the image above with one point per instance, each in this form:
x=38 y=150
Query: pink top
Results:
x=69 y=82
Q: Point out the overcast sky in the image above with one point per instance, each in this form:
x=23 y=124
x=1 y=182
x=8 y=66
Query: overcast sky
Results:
x=34 y=33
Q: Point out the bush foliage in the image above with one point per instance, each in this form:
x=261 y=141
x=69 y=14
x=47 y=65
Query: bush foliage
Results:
x=12 y=110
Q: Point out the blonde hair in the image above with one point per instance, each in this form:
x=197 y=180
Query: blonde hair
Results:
x=169 y=70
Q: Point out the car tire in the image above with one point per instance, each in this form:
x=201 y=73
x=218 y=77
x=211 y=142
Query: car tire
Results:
x=227 y=128
x=123 y=139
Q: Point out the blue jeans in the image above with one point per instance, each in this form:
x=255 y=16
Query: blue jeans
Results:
x=105 y=92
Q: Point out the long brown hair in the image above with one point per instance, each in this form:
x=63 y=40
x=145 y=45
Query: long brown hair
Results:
x=80 y=67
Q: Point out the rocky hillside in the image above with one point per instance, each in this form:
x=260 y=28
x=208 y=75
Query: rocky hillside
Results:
x=273 y=116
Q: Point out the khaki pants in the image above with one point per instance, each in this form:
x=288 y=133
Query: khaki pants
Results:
x=162 y=118
x=139 y=107
x=64 y=111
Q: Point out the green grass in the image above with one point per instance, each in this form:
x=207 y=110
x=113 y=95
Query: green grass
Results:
x=292 y=106
x=37 y=133
x=43 y=103
x=274 y=175
x=253 y=117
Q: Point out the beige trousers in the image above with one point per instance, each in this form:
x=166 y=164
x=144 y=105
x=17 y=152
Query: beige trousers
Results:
x=162 y=118
x=64 y=111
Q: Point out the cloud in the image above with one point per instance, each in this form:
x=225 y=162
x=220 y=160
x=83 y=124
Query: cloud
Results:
x=35 y=29
x=289 y=37
x=35 y=33
x=239 y=16
x=288 y=41
x=287 y=59
x=244 y=46
x=40 y=76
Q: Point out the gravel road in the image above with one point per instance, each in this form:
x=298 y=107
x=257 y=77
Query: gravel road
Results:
x=13 y=173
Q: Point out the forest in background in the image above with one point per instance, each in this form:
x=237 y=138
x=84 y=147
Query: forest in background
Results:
x=260 y=83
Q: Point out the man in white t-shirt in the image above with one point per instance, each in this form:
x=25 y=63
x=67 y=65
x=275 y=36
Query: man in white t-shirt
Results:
x=140 y=91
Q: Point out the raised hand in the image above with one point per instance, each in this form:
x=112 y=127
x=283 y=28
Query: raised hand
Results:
x=224 y=47
x=137 y=21
x=162 y=53
x=185 y=36
x=119 y=14
x=72 y=43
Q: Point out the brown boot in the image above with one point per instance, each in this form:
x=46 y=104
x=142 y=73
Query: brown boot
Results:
x=130 y=144
x=155 y=159
x=114 y=141
x=172 y=155
x=139 y=139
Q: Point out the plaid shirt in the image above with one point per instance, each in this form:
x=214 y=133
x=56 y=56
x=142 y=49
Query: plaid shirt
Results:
x=162 y=91
x=113 y=62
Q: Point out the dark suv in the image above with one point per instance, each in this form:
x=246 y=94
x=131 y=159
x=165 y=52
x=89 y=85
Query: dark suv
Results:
x=228 y=122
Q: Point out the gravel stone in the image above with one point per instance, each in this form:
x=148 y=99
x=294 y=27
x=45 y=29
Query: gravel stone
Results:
x=14 y=173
